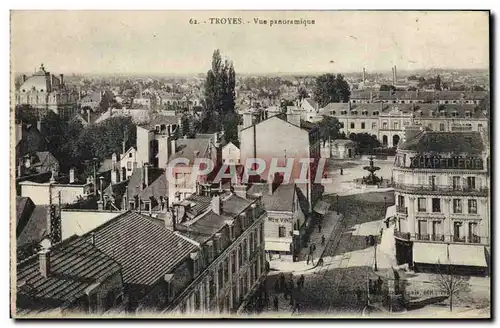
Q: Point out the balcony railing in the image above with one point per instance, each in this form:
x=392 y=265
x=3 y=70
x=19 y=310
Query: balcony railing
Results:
x=474 y=239
x=440 y=188
x=401 y=209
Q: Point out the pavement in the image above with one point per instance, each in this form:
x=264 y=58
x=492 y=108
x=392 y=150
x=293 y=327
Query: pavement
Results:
x=328 y=224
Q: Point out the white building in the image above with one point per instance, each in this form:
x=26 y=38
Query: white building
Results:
x=231 y=154
x=441 y=183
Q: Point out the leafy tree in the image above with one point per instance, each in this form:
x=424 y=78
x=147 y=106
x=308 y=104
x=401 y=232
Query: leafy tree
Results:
x=385 y=87
x=438 y=83
x=366 y=142
x=219 y=93
x=231 y=121
x=449 y=283
x=329 y=128
x=330 y=88
x=303 y=92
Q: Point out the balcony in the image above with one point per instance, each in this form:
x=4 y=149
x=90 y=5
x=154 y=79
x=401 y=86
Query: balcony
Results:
x=438 y=189
x=402 y=209
x=473 y=239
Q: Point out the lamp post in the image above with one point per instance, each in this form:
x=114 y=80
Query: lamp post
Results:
x=337 y=198
x=94 y=162
x=375 y=247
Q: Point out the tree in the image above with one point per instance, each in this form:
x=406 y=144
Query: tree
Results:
x=438 y=83
x=385 y=87
x=330 y=88
x=366 y=142
x=284 y=104
x=449 y=283
x=219 y=93
x=329 y=128
x=303 y=93
x=231 y=121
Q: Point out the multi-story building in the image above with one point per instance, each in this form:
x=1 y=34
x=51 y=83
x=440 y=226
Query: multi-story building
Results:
x=418 y=96
x=441 y=183
x=229 y=265
x=46 y=92
x=281 y=138
x=387 y=121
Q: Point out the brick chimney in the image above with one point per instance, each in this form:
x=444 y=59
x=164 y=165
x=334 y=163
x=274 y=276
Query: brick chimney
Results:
x=72 y=175
x=217 y=205
x=44 y=262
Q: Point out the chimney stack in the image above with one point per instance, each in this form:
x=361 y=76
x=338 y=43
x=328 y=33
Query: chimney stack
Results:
x=173 y=146
x=72 y=175
x=270 y=185
x=23 y=78
x=44 y=262
x=146 y=174
x=92 y=238
x=61 y=79
x=217 y=205
x=114 y=176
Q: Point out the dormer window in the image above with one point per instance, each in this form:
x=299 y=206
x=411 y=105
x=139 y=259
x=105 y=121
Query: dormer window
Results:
x=354 y=112
x=442 y=113
x=375 y=113
x=332 y=112
x=454 y=114
x=157 y=128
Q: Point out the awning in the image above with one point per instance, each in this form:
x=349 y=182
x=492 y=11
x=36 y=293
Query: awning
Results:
x=321 y=207
x=277 y=246
x=454 y=254
x=390 y=212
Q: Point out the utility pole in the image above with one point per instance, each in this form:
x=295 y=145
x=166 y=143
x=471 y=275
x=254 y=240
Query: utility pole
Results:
x=375 y=247
x=94 y=160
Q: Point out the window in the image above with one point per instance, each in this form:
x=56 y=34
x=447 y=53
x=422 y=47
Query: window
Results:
x=433 y=181
x=233 y=262
x=422 y=229
x=396 y=125
x=472 y=204
x=147 y=206
x=130 y=155
x=220 y=274
x=456 y=182
x=352 y=125
x=129 y=166
x=436 y=205
x=480 y=127
x=332 y=112
x=341 y=125
x=282 y=232
x=430 y=126
x=457 y=206
x=363 y=125
x=421 y=204
x=374 y=126
x=457 y=227
x=471 y=182
x=384 y=125
x=441 y=127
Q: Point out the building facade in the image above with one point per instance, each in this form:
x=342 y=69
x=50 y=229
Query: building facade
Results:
x=441 y=183
x=45 y=92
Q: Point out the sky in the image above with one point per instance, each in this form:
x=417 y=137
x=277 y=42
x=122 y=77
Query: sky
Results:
x=164 y=42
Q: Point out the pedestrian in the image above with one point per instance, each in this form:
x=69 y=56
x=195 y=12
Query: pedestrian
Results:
x=302 y=280
x=314 y=247
x=310 y=249
x=319 y=228
x=276 y=302
x=358 y=294
x=320 y=262
x=323 y=240
x=308 y=259
x=341 y=171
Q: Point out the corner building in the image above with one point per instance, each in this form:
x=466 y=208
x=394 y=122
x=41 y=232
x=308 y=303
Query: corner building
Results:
x=441 y=183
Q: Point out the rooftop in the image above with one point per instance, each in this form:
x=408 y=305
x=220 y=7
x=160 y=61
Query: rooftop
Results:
x=145 y=250
x=445 y=142
x=75 y=265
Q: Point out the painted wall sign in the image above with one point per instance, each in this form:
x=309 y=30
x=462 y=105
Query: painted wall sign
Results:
x=280 y=220
x=453 y=163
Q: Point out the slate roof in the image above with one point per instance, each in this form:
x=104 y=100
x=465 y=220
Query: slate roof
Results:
x=445 y=142
x=36 y=227
x=145 y=250
x=75 y=265
x=191 y=148
x=282 y=198
x=154 y=188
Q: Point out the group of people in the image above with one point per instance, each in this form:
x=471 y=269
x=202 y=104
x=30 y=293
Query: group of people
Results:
x=286 y=286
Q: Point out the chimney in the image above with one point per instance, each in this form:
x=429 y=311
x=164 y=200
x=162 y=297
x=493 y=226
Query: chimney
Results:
x=247 y=119
x=44 y=262
x=240 y=190
x=23 y=78
x=114 y=176
x=217 y=205
x=123 y=147
x=61 y=79
x=293 y=117
x=173 y=146
x=146 y=174
x=92 y=238
x=72 y=175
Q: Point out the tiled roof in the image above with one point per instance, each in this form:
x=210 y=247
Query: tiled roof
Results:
x=191 y=148
x=36 y=227
x=445 y=142
x=136 y=186
x=74 y=266
x=145 y=250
